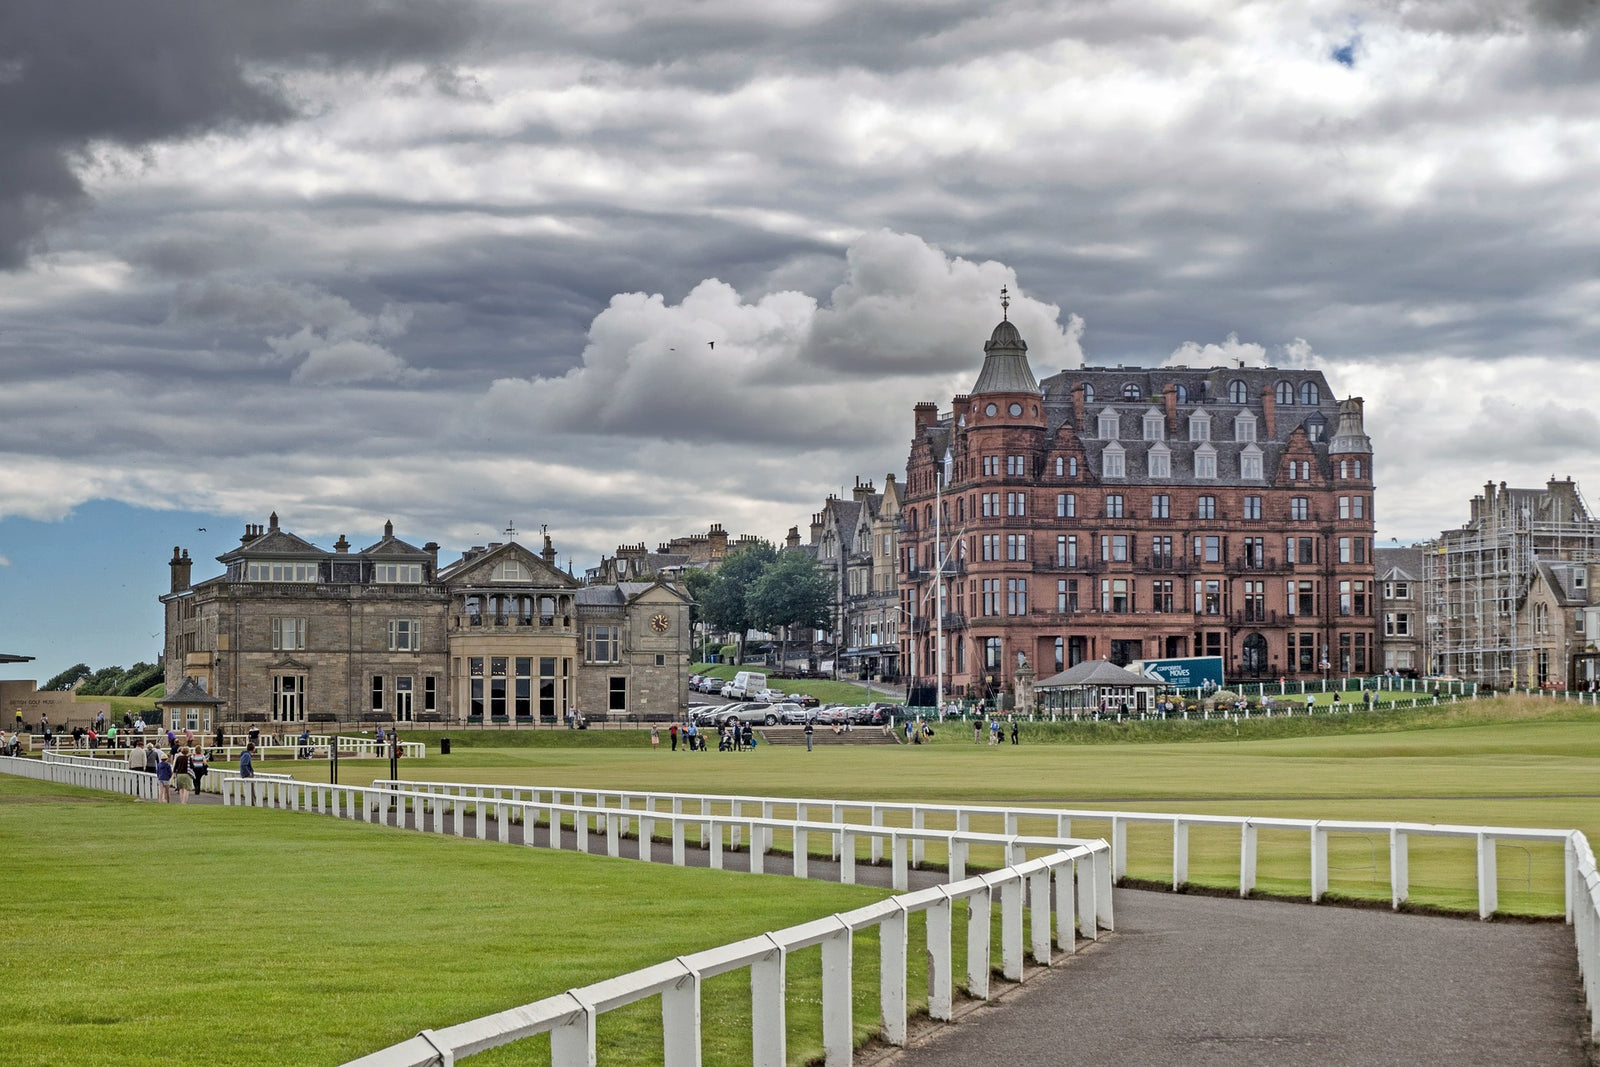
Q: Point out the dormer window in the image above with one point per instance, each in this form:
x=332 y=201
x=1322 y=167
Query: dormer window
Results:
x=1309 y=393
x=510 y=570
x=1250 y=465
x=1160 y=461
x=1131 y=392
x=1205 y=462
x=1283 y=392
x=1088 y=393
x=1244 y=428
x=1314 y=428
x=397 y=573
x=1113 y=462
x=280 y=571
x=1182 y=394
x=1200 y=426
x=1237 y=393
x=1108 y=425
x=1155 y=426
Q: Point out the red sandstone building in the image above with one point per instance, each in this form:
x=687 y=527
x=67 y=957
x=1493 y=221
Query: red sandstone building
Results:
x=1138 y=513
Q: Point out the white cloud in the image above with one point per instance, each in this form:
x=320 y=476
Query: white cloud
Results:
x=5 y=561
x=1230 y=353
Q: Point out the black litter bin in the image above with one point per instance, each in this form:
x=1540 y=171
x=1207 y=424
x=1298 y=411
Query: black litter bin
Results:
x=444 y=746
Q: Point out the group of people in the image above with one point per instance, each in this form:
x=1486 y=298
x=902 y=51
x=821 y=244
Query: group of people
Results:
x=181 y=771
x=693 y=740
x=997 y=731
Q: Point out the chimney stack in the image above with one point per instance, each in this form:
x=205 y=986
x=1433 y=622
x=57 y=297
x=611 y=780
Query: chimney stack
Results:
x=180 y=569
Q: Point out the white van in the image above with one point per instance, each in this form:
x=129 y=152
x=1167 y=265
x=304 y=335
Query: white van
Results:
x=745 y=685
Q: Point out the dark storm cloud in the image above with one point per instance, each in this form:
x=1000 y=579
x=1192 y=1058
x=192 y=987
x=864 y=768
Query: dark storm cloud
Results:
x=73 y=72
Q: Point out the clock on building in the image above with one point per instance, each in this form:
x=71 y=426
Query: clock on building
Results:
x=660 y=623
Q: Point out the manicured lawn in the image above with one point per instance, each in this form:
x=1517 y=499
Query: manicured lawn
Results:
x=148 y=933
x=1517 y=763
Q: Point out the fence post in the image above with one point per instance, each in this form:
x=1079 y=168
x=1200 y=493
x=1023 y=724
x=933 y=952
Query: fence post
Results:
x=680 y=1022
x=941 y=961
x=918 y=821
x=1011 y=927
x=1102 y=914
x=1180 y=854
x=1247 y=858
x=978 y=944
x=572 y=1044
x=838 y=1024
x=1119 y=849
x=769 y=1044
x=877 y=842
x=892 y=953
x=1066 y=906
x=677 y=838
x=1399 y=867
x=1319 y=862
x=1488 y=877
x=758 y=864
x=1039 y=915
x=847 y=859
x=899 y=877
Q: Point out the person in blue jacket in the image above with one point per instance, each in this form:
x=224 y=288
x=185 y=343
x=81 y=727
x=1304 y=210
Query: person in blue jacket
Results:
x=247 y=761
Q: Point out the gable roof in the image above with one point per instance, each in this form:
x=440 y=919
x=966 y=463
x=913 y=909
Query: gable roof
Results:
x=1098 y=672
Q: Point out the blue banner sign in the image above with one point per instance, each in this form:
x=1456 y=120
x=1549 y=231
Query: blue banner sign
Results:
x=1190 y=673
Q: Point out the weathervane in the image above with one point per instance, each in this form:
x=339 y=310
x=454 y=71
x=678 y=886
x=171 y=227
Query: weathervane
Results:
x=1005 y=304
x=511 y=530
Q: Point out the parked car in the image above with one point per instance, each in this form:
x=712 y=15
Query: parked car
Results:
x=792 y=713
x=771 y=696
x=833 y=713
x=710 y=714
x=756 y=714
x=710 y=684
x=805 y=700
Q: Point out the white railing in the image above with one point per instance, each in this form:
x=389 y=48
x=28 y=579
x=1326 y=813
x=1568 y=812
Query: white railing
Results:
x=98 y=774
x=1057 y=822
x=1081 y=896
x=210 y=782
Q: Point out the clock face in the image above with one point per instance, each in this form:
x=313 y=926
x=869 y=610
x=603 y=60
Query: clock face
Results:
x=659 y=623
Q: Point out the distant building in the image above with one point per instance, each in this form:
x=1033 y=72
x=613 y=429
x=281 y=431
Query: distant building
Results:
x=293 y=633
x=1510 y=595
x=635 y=563
x=1400 y=603
x=856 y=540
x=1137 y=513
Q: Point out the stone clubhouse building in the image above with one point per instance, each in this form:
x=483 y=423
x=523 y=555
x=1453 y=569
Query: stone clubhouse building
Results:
x=291 y=633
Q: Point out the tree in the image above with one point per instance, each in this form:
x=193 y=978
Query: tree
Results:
x=725 y=603
x=793 y=592
x=64 y=681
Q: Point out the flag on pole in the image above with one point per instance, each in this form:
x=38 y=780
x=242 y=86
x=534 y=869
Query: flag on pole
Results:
x=948 y=459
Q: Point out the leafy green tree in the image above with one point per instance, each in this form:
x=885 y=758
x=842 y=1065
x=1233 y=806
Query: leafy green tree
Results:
x=141 y=676
x=793 y=592
x=104 y=682
x=725 y=602
x=64 y=681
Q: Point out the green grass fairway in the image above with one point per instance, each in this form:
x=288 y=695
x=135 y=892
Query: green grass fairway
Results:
x=144 y=933
x=1509 y=762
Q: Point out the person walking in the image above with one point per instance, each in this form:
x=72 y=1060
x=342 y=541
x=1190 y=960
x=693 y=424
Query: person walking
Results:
x=182 y=782
x=247 y=761
x=672 y=735
x=136 y=756
x=197 y=768
x=1014 y=732
x=810 y=728
x=164 y=776
x=655 y=738
x=977 y=730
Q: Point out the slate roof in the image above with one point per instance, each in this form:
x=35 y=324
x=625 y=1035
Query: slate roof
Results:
x=1098 y=672
x=1005 y=364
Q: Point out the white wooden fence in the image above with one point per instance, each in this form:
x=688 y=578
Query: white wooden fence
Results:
x=1057 y=822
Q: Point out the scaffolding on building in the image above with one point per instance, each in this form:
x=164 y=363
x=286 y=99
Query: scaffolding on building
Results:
x=1476 y=579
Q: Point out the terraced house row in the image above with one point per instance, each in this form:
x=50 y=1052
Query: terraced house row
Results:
x=1137 y=513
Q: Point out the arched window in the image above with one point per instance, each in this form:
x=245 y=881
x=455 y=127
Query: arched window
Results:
x=1130 y=392
x=1088 y=393
x=1237 y=394
x=1285 y=393
x=1309 y=393
x=1183 y=394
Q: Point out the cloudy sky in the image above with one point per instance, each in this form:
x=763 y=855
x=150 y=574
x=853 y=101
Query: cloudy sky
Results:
x=459 y=263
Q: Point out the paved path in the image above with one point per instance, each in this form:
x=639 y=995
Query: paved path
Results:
x=1215 y=980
